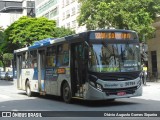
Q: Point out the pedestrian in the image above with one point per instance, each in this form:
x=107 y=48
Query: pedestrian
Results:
x=144 y=74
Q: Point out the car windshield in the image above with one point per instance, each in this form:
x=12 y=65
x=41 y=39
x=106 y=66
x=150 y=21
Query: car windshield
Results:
x=114 y=57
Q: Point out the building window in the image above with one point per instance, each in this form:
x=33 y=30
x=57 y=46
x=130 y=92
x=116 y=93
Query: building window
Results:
x=74 y=24
x=67 y=14
x=67 y=2
x=73 y=1
x=46 y=15
x=63 y=4
x=68 y=25
x=53 y=13
x=73 y=11
x=78 y=8
x=63 y=16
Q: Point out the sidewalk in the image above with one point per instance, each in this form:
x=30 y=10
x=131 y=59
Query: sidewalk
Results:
x=151 y=91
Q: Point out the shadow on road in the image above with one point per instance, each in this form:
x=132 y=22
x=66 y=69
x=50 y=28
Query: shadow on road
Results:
x=87 y=103
x=6 y=83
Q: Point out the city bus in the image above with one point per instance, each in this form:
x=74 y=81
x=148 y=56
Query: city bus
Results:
x=92 y=65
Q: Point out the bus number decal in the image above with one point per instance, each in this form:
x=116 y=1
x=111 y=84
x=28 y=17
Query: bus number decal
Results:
x=61 y=70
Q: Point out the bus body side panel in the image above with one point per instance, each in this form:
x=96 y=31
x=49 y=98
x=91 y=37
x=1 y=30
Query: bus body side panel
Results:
x=50 y=87
x=62 y=77
x=50 y=82
x=30 y=75
x=53 y=84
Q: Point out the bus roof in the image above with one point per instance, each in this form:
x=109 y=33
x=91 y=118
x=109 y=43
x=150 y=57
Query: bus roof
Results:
x=41 y=43
x=49 y=41
x=20 y=50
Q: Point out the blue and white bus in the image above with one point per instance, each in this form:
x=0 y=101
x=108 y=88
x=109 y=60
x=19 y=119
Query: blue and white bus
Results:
x=93 y=65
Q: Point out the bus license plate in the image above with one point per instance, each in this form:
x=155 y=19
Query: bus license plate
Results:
x=121 y=93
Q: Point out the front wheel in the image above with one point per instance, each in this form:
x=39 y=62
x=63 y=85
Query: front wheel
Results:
x=66 y=93
x=28 y=89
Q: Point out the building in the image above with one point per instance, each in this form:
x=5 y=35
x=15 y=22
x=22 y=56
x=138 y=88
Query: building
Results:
x=12 y=10
x=65 y=12
x=154 y=51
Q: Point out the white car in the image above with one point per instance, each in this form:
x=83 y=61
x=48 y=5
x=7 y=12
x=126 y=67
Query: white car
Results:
x=2 y=75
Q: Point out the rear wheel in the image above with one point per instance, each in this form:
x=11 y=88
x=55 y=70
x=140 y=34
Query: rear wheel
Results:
x=66 y=93
x=28 y=89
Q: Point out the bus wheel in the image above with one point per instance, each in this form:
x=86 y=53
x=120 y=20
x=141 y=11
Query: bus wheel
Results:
x=28 y=89
x=66 y=93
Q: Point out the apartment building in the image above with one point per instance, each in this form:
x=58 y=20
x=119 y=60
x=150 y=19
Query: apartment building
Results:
x=65 y=12
x=154 y=51
x=12 y=10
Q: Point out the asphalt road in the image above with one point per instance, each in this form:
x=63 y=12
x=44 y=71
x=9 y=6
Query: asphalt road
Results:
x=12 y=99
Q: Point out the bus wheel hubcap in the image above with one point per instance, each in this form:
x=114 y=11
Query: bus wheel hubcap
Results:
x=66 y=93
x=28 y=90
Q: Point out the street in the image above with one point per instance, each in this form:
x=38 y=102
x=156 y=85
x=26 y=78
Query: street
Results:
x=12 y=99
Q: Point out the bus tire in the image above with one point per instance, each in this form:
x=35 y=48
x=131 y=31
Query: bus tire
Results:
x=66 y=93
x=28 y=89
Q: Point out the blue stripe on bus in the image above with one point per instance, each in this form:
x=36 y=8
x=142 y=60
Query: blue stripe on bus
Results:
x=41 y=43
x=35 y=74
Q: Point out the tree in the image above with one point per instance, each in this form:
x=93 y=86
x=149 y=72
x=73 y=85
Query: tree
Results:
x=1 y=34
x=61 y=32
x=136 y=15
x=27 y=30
x=5 y=58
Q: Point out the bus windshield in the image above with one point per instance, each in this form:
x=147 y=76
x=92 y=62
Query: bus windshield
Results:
x=114 y=57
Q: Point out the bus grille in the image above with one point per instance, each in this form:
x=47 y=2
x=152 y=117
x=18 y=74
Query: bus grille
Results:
x=130 y=90
x=120 y=76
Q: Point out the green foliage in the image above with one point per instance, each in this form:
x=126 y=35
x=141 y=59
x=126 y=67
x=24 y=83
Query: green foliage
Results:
x=1 y=35
x=8 y=56
x=27 y=30
x=61 y=32
x=136 y=15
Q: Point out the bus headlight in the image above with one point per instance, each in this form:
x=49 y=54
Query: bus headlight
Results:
x=96 y=85
x=99 y=87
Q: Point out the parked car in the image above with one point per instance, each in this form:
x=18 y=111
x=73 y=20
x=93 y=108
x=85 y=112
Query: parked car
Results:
x=2 y=75
x=9 y=75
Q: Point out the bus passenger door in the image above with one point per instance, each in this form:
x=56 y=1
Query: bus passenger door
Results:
x=78 y=69
x=19 y=68
x=41 y=70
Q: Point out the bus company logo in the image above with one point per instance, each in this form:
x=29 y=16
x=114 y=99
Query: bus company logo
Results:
x=111 y=85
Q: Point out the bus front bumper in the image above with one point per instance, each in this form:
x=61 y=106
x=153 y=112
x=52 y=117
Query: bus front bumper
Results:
x=95 y=94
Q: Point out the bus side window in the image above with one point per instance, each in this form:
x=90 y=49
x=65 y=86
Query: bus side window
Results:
x=65 y=54
x=62 y=55
x=33 y=59
x=25 y=61
x=59 y=55
x=51 y=56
